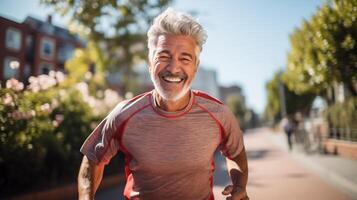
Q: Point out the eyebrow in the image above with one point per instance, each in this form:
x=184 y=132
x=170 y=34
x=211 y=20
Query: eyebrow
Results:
x=164 y=51
x=187 y=54
x=168 y=52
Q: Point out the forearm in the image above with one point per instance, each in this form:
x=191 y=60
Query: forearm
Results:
x=89 y=178
x=238 y=170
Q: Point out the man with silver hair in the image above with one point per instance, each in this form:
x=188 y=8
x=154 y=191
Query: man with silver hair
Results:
x=168 y=135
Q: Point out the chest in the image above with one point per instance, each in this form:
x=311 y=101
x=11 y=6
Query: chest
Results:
x=163 y=144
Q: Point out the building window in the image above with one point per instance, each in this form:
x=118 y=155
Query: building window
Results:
x=47 y=48
x=65 y=52
x=13 y=39
x=30 y=50
x=45 y=68
x=11 y=67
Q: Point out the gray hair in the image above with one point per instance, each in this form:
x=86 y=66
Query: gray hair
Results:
x=177 y=23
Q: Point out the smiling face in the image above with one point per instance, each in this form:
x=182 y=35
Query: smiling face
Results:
x=173 y=66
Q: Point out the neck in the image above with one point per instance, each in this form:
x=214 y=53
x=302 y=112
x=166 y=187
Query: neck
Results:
x=172 y=106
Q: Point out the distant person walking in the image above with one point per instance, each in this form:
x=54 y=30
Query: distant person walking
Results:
x=289 y=129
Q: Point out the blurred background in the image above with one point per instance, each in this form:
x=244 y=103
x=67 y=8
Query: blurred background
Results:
x=287 y=70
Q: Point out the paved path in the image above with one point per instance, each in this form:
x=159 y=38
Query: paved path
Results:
x=274 y=174
x=338 y=171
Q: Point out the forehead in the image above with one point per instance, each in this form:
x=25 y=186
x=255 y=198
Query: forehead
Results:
x=176 y=42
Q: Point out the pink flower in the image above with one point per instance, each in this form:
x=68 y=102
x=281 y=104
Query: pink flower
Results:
x=8 y=100
x=42 y=82
x=55 y=123
x=46 y=108
x=60 y=76
x=14 y=84
x=59 y=118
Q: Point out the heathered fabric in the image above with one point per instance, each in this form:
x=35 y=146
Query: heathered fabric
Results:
x=169 y=155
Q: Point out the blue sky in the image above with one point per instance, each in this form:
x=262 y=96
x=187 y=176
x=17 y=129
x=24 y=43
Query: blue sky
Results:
x=247 y=40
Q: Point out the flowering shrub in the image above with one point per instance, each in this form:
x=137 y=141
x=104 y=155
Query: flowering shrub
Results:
x=43 y=126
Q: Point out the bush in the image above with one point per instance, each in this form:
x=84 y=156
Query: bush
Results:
x=343 y=118
x=42 y=129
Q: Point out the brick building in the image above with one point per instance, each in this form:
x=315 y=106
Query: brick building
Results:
x=33 y=47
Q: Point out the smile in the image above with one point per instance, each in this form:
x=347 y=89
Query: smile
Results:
x=172 y=79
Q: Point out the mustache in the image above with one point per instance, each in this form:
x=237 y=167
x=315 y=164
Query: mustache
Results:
x=165 y=73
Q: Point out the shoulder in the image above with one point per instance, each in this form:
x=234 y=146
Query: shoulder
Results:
x=206 y=97
x=213 y=106
x=126 y=108
x=208 y=102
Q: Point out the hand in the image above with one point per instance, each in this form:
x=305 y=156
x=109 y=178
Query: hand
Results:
x=236 y=193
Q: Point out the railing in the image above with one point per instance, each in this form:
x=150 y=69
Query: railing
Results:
x=346 y=134
x=311 y=140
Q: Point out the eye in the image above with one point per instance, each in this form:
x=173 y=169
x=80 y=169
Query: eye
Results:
x=164 y=57
x=186 y=60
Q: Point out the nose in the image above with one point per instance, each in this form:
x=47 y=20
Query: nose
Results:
x=173 y=66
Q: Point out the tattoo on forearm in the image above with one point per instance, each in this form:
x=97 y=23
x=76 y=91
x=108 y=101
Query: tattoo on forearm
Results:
x=85 y=181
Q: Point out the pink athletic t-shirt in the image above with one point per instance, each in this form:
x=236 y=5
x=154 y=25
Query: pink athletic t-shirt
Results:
x=169 y=155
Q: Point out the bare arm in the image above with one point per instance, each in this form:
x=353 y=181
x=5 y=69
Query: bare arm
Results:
x=89 y=178
x=238 y=171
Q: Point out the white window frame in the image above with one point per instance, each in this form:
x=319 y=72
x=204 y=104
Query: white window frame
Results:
x=16 y=33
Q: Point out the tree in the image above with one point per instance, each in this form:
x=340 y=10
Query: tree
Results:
x=247 y=117
x=116 y=29
x=324 y=50
x=294 y=102
x=80 y=68
x=238 y=107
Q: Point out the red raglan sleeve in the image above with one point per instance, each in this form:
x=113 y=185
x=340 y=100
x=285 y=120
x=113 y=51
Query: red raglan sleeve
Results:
x=232 y=143
x=101 y=145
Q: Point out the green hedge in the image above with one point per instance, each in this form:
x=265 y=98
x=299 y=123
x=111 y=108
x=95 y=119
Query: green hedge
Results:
x=41 y=132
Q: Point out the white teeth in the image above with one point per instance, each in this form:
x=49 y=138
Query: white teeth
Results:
x=172 y=79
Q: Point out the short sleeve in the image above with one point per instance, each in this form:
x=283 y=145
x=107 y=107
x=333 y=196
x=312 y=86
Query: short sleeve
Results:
x=101 y=145
x=232 y=143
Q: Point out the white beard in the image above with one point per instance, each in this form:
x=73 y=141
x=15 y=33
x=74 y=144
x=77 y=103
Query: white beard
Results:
x=168 y=95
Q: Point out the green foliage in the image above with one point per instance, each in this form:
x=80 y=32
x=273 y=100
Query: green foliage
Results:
x=42 y=129
x=79 y=68
x=32 y=144
x=294 y=102
x=20 y=138
x=246 y=117
x=272 y=109
x=343 y=117
x=324 y=50
x=237 y=106
x=116 y=30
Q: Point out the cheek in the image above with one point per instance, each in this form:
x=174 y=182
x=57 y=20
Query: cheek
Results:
x=158 y=66
x=154 y=64
x=192 y=71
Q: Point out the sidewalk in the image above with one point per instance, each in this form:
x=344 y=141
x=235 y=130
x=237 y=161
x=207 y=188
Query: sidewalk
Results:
x=277 y=174
x=336 y=170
